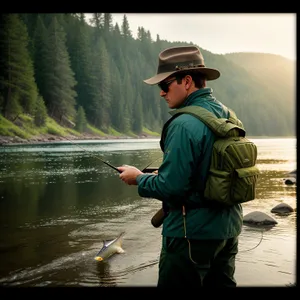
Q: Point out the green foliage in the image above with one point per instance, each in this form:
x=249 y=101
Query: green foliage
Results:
x=126 y=32
x=7 y=128
x=72 y=132
x=40 y=46
x=149 y=132
x=95 y=130
x=101 y=68
x=1 y=103
x=101 y=81
x=59 y=83
x=80 y=53
x=13 y=107
x=113 y=132
x=26 y=122
x=81 y=122
x=17 y=80
x=40 y=113
x=137 y=124
x=54 y=128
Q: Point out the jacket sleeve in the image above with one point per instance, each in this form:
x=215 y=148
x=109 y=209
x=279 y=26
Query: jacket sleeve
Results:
x=181 y=156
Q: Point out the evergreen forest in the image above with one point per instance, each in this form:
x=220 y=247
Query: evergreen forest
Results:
x=88 y=73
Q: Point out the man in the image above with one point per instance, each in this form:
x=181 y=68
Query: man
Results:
x=200 y=239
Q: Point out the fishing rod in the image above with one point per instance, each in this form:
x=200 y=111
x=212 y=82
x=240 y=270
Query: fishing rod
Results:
x=105 y=162
x=150 y=170
x=145 y=170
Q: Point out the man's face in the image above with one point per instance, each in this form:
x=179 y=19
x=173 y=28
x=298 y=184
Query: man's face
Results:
x=174 y=93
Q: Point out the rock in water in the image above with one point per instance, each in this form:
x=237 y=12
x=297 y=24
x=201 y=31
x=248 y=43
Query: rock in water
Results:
x=258 y=218
x=290 y=180
x=282 y=208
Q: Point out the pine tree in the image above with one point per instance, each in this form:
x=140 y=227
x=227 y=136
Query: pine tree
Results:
x=98 y=110
x=81 y=60
x=18 y=87
x=126 y=32
x=81 y=122
x=108 y=26
x=41 y=48
x=137 y=115
x=59 y=77
x=117 y=113
x=97 y=20
x=40 y=114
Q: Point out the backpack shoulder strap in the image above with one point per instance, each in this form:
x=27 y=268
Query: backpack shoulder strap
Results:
x=220 y=126
x=234 y=119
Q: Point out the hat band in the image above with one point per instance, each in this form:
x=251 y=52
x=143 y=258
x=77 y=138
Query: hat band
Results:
x=179 y=66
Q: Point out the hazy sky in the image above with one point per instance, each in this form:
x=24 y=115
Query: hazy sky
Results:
x=221 y=33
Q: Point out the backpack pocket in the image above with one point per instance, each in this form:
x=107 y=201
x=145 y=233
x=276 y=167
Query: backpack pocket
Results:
x=231 y=188
x=217 y=186
x=244 y=186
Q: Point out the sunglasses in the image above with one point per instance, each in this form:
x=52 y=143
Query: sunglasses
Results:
x=164 y=86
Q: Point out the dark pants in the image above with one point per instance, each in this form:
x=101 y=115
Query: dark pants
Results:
x=197 y=263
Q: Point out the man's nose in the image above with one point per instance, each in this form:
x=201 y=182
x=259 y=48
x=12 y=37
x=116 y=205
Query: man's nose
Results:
x=162 y=93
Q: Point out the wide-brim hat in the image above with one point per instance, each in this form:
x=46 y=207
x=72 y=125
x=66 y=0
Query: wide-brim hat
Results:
x=179 y=59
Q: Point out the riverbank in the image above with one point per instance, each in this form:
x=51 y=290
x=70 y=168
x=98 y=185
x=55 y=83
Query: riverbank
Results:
x=50 y=138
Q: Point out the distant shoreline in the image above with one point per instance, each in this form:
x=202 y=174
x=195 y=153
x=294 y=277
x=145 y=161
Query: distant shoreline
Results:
x=50 y=138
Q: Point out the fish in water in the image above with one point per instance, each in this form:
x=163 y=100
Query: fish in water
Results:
x=110 y=247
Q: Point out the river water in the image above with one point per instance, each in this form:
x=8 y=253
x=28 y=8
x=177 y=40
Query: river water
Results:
x=59 y=201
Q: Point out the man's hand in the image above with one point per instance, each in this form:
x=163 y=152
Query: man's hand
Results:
x=129 y=174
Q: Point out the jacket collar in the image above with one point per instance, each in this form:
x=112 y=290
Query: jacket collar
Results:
x=196 y=96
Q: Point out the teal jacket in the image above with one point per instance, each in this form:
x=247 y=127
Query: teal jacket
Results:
x=187 y=148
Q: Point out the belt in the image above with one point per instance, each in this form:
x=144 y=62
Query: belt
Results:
x=202 y=204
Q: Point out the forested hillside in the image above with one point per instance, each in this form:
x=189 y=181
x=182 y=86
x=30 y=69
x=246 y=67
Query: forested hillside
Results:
x=276 y=77
x=84 y=73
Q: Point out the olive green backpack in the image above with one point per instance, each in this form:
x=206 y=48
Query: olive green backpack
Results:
x=233 y=173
